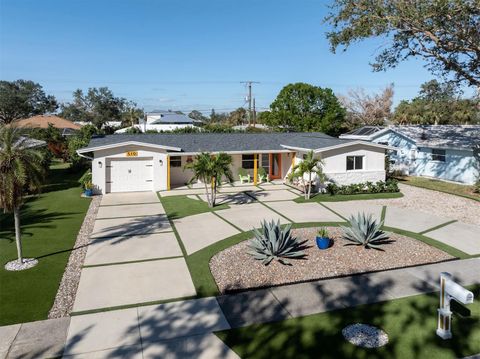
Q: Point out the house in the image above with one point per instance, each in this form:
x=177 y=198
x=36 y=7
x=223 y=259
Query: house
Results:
x=446 y=152
x=162 y=121
x=66 y=127
x=146 y=162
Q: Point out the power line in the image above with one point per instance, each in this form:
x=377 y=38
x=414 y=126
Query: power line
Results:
x=249 y=99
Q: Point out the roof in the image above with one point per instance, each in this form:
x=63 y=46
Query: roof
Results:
x=225 y=142
x=440 y=136
x=363 y=132
x=42 y=121
x=168 y=117
x=27 y=142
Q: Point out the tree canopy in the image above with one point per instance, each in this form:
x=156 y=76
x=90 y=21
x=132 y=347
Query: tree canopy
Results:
x=440 y=104
x=97 y=106
x=444 y=33
x=21 y=99
x=304 y=107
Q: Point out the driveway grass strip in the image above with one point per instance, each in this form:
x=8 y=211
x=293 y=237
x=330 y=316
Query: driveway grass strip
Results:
x=409 y=322
x=350 y=197
x=129 y=262
x=50 y=224
x=230 y=223
x=331 y=210
x=439 y=226
x=127 y=306
x=432 y=242
x=181 y=206
x=383 y=214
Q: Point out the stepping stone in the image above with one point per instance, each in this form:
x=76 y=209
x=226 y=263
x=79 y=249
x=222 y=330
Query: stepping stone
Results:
x=135 y=248
x=411 y=220
x=201 y=230
x=180 y=319
x=105 y=330
x=133 y=283
x=259 y=306
x=130 y=210
x=250 y=216
x=305 y=212
x=130 y=226
x=464 y=237
x=205 y=346
x=111 y=199
x=352 y=208
x=275 y=195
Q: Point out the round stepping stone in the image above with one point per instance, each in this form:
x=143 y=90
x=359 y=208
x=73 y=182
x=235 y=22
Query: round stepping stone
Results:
x=365 y=336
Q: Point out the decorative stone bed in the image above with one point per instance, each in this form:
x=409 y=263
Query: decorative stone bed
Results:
x=234 y=269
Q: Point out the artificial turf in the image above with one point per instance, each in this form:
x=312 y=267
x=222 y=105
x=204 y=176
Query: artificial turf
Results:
x=50 y=223
x=409 y=322
x=349 y=197
x=182 y=206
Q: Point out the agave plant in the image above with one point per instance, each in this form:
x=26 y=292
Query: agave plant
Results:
x=274 y=242
x=365 y=231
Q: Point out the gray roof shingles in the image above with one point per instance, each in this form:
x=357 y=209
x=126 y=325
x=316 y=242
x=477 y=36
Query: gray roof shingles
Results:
x=217 y=142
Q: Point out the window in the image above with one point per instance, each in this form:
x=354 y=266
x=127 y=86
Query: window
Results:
x=354 y=163
x=175 y=161
x=247 y=161
x=438 y=155
x=266 y=162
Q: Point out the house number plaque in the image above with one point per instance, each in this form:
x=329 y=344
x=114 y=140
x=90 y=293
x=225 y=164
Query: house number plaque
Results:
x=132 y=154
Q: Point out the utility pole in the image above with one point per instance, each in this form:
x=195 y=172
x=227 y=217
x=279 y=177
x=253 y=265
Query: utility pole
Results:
x=254 y=113
x=249 y=99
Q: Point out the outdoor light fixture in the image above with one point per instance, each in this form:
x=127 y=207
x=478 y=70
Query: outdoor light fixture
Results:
x=161 y=162
x=100 y=164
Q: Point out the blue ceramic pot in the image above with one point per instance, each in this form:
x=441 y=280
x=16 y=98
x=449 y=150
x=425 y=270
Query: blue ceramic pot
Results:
x=323 y=242
x=88 y=192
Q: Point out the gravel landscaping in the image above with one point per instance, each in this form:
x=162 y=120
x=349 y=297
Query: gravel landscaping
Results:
x=234 y=269
x=67 y=290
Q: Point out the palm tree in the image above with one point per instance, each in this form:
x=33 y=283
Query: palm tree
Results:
x=131 y=115
x=210 y=170
x=310 y=165
x=21 y=172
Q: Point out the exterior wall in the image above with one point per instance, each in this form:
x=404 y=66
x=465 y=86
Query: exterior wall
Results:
x=159 y=165
x=459 y=165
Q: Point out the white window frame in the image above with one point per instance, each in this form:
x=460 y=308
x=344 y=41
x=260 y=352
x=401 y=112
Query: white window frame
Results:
x=435 y=156
x=354 y=163
x=175 y=159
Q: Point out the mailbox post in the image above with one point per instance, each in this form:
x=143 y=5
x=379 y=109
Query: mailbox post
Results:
x=449 y=290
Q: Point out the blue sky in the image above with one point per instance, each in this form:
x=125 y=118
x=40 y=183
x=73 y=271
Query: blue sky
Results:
x=185 y=54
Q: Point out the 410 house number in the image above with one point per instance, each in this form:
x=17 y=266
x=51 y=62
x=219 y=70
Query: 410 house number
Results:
x=132 y=153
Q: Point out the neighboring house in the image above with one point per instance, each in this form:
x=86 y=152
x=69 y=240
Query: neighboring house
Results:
x=146 y=162
x=447 y=152
x=66 y=127
x=162 y=121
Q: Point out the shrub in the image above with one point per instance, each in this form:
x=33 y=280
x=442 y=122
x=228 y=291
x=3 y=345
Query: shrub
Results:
x=365 y=231
x=476 y=187
x=322 y=232
x=275 y=242
x=332 y=189
x=86 y=178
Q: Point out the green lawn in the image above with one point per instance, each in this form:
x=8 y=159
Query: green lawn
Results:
x=50 y=224
x=409 y=322
x=351 y=197
x=447 y=187
x=182 y=206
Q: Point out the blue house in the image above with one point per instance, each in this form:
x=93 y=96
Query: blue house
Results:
x=446 y=152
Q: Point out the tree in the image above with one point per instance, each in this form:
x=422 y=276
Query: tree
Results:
x=77 y=141
x=131 y=114
x=210 y=170
x=304 y=107
x=20 y=172
x=22 y=99
x=238 y=117
x=444 y=33
x=97 y=106
x=437 y=104
x=310 y=165
x=363 y=109
x=197 y=116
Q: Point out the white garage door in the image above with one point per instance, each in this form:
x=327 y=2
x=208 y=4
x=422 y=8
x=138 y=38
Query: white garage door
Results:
x=129 y=175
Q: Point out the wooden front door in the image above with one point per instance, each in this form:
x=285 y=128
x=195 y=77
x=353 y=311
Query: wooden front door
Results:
x=275 y=171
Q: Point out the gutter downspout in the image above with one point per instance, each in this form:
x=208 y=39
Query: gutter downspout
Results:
x=82 y=155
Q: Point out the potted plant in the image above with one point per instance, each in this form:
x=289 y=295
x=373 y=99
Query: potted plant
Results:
x=323 y=241
x=88 y=189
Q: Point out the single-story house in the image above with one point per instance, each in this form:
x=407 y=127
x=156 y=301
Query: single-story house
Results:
x=155 y=162
x=66 y=127
x=162 y=121
x=446 y=152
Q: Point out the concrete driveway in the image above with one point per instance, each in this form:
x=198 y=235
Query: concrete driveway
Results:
x=133 y=257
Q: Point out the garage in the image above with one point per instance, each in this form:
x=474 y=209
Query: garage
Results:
x=129 y=174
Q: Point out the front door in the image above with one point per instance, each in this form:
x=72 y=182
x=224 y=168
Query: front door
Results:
x=275 y=171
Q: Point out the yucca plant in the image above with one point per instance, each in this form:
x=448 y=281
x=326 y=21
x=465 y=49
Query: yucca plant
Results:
x=274 y=242
x=365 y=231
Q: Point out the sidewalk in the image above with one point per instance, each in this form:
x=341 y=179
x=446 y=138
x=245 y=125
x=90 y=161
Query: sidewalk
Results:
x=185 y=328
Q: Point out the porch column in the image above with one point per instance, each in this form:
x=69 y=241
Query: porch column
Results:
x=294 y=154
x=255 y=169
x=168 y=172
